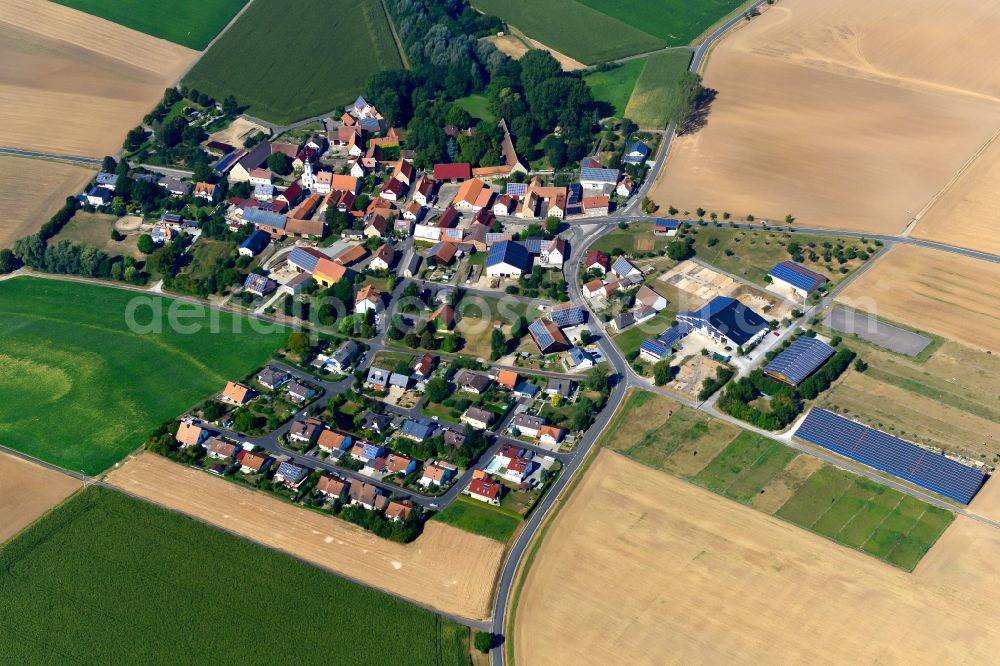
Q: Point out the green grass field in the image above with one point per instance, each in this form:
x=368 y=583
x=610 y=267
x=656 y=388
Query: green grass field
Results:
x=862 y=514
x=754 y=253
x=289 y=61
x=477 y=106
x=78 y=388
x=478 y=518
x=573 y=28
x=745 y=466
x=653 y=96
x=190 y=24
x=677 y=22
x=127 y=582
x=614 y=86
x=848 y=509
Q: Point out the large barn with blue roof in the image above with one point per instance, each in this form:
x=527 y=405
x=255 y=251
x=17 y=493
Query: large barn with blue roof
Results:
x=727 y=321
x=508 y=259
x=797 y=279
x=802 y=358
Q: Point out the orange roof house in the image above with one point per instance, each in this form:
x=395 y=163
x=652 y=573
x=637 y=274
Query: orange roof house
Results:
x=351 y=255
x=237 y=393
x=343 y=182
x=507 y=379
x=328 y=273
x=468 y=193
x=189 y=434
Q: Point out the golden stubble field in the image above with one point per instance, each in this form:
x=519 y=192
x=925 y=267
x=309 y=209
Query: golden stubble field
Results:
x=947 y=294
x=665 y=572
x=27 y=491
x=968 y=213
x=32 y=190
x=847 y=114
x=445 y=568
x=72 y=83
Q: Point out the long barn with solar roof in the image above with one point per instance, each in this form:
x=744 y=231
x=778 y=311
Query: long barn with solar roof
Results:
x=797 y=279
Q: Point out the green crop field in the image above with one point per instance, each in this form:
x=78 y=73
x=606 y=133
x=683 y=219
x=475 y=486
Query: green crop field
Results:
x=614 y=86
x=184 y=22
x=677 y=22
x=80 y=389
x=860 y=513
x=107 y=579
x=848 y=509
x=745 y=466
x=474 y=516
x=654 y=95
x=573 y=28
x=290 y=61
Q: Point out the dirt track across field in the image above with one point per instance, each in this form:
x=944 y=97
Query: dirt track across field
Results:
x=847 y=113
x=31 y=191
x=445 y=568
x=27 y=491
x=74 y=84
x=662 y=571
x=947 y=294
x=968 y=214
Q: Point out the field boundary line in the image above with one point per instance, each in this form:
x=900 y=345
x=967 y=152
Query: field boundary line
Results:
x=750 y=466
x=954 y=180
x=468 y=622
x=395 y=36
x=881 y=522
x=857 y=513
x=533 y=546
x=812 y=526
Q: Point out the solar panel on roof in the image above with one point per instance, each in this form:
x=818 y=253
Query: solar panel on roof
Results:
x=570 y=316
x=673 y=335
x=517 y=189
x=800 y=360
x=655 y=348
x=541 y=334
x=599 y=175
x=798 y=276
x=891 y=454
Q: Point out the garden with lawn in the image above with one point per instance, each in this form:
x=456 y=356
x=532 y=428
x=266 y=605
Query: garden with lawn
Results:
x=479 y=518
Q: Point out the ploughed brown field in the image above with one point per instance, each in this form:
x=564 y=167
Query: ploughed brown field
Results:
x=847 y=113
x=940 y=292
x=445 y=568
x=664 y=571
x=27 y=491
x=74 y=84
x=32 y=190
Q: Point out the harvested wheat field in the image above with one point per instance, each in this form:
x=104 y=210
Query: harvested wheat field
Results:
x=517 y=45
x=698 y=578
x=27 y=491
x=447 y=569
x=968 y=213
x=32 y=190
x=75 y=84
x=940 y=292
x=847 y=114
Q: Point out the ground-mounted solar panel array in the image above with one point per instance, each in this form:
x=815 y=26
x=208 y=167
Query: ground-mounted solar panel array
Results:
x=891 y=454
